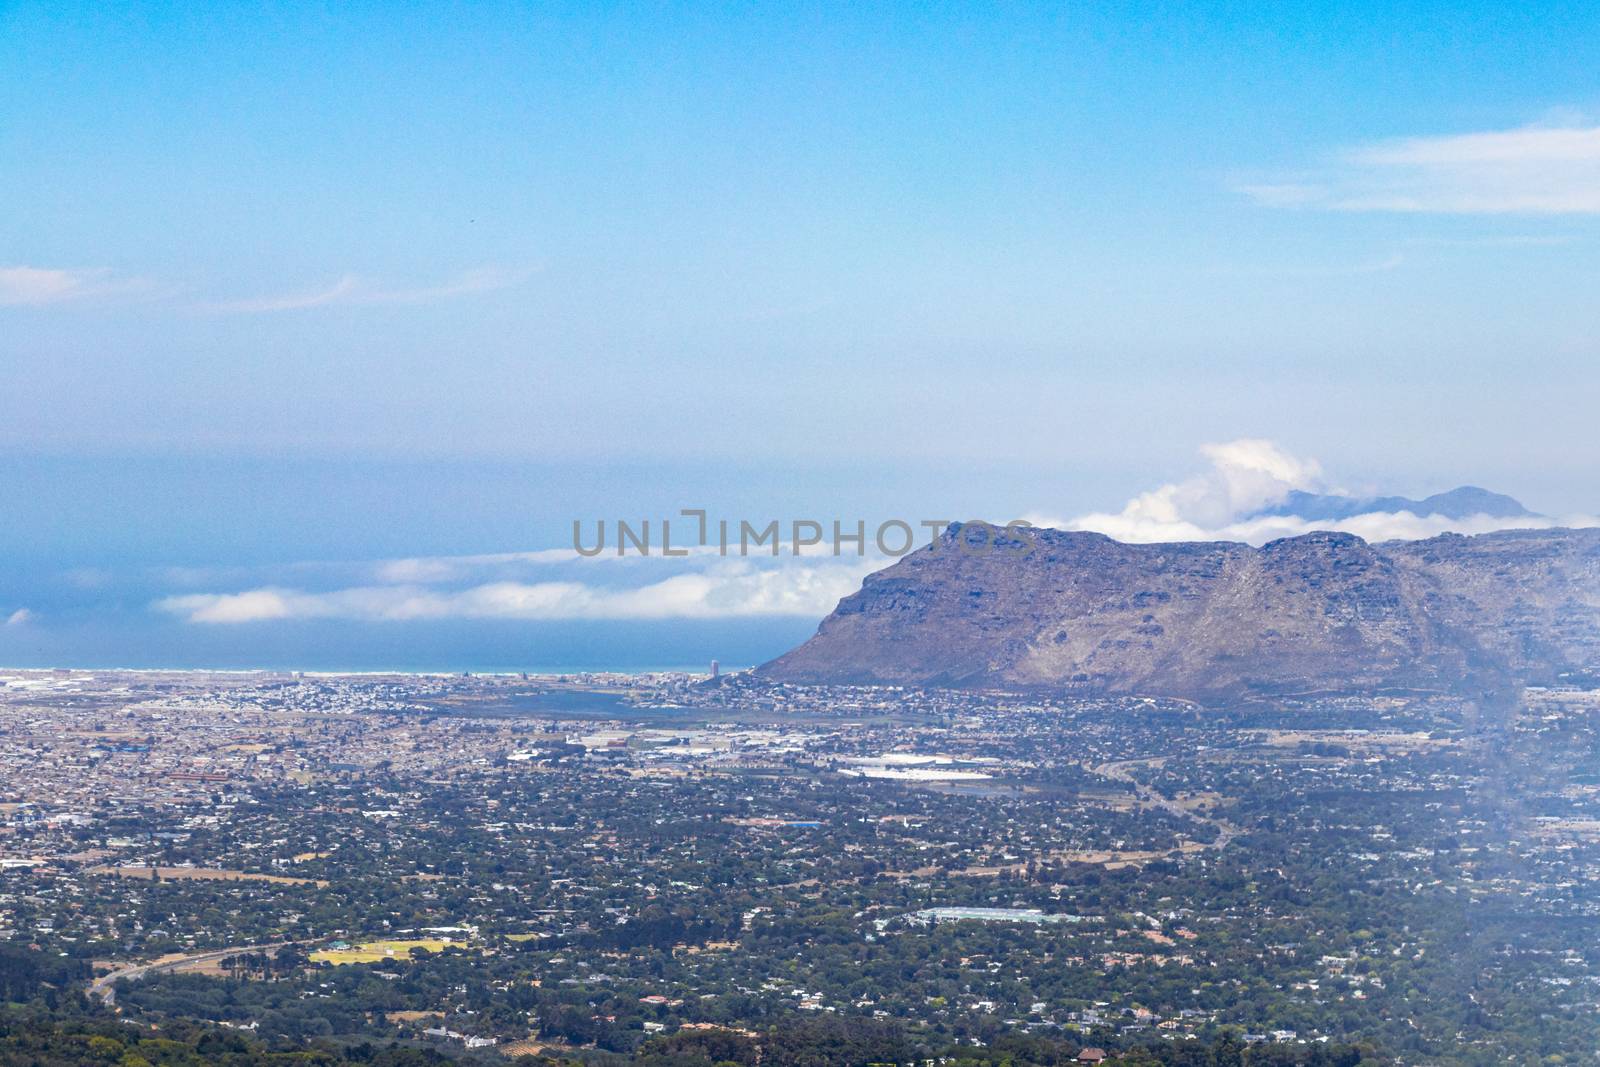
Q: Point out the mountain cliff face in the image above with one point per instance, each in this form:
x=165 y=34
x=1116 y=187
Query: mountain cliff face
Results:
x=1326 y=611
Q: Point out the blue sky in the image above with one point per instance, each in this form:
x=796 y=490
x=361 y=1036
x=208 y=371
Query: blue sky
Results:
x=291 y=282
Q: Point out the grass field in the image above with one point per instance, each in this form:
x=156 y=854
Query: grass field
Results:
x=374 y=951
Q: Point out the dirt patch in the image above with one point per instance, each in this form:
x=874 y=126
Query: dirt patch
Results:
x=202 y=874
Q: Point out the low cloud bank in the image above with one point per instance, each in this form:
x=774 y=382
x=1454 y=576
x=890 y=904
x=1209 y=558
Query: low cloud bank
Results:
x=1249 y=491
x=1241 y=494
x=732 y=589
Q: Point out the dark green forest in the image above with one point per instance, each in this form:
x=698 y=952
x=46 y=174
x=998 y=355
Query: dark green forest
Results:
x=42 y=1039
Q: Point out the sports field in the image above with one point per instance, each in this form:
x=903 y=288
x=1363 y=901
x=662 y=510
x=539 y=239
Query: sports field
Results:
x=374 y=951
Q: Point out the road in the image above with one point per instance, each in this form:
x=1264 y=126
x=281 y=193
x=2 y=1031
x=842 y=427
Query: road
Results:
x=104 y=987
x=1122 y=771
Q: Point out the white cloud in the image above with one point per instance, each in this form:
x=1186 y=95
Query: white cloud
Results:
x=1534 y=170
x=20 y=617
x=434 y=570
x=37 y=286
x=730 y=589
x=331 y=294
x=351 y=289
x=1245 y=476
x=1248 y=476
x=1374 y=526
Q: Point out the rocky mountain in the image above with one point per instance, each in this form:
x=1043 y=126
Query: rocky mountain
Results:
x=1326 y=611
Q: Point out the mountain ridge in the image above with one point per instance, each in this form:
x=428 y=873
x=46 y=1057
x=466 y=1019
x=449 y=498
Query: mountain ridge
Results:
x=1462 y=502
x=1321 y=611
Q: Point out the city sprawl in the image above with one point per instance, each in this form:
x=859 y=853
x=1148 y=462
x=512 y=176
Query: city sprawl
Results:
x=588 y=865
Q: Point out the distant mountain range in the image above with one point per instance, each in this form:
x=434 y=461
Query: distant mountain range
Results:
x=1462 y=503
x=1321 y=612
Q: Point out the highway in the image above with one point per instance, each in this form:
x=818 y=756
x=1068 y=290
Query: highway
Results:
x=104 y=987
x=1122 y=771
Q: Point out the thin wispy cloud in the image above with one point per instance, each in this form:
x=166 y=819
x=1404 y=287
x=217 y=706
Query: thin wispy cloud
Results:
x=27 y=286
x=430 y=570
x=1375 y=264
x=531 y=567
x=20 y=617
x=1533 y=170
x=23 y=286
x=355 y=290
x=1512 y=240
